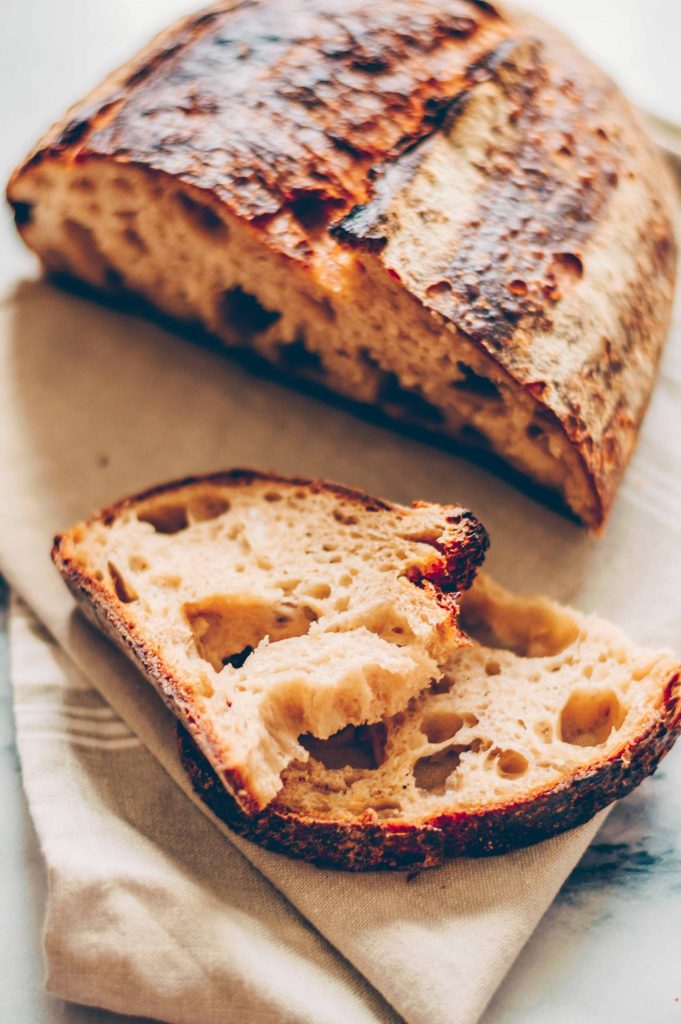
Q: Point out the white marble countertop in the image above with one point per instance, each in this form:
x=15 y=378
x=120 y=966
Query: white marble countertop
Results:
x=610 y=947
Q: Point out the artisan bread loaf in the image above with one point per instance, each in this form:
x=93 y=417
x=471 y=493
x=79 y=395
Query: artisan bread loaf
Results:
x=548 y=717
x=264 y=609
x=432 y=206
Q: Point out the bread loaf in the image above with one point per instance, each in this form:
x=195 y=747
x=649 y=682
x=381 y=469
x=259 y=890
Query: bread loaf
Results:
x=432 y=206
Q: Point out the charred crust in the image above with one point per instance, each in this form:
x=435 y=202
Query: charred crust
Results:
x=455 y=571
x=462 y=560
x=487 y=7
x=73 y=132
x=325 y=61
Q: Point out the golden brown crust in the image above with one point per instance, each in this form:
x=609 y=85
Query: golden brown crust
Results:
x=367 y=845
x=310 y=120
x=447 y=575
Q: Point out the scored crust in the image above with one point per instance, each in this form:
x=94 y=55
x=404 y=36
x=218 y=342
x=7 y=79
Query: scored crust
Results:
x=436 y=570
x=453 y=177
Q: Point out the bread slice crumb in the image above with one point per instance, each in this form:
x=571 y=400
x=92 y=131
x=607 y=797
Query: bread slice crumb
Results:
x=264 y=608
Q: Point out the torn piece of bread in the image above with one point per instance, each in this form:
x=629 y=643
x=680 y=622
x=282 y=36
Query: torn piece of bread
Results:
x=264 y=608
x=433 y=206
x=548 y=717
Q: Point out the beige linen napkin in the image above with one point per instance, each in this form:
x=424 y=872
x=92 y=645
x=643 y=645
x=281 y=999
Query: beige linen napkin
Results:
x=150 y=911
x=94 y=404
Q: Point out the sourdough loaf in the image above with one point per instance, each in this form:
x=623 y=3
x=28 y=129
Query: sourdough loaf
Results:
x=433 y=206
x=264 y=608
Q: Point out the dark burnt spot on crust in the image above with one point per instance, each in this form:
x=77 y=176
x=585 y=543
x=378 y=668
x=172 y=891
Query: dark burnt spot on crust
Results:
x=488 y=8
x=454 y=571
x=74 y=131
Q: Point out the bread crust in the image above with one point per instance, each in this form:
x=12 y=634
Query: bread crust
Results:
x=368 y=845
x=322 y=138
x=322 y=148
x=447 y=575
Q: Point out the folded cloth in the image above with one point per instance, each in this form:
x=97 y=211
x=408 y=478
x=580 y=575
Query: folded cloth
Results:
x=151 y=912
x=94 y=405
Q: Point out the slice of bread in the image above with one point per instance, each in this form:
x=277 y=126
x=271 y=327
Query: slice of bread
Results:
x=265 y=608
x=548 y=717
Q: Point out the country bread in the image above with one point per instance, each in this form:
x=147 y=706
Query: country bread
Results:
x=349 y=690
x=432 y=206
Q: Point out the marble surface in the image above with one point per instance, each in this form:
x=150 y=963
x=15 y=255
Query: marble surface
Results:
x=610 y=947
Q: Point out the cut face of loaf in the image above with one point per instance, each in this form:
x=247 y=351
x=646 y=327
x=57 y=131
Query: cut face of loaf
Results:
x=426 y=205
x=264 y=608
x=548 y=717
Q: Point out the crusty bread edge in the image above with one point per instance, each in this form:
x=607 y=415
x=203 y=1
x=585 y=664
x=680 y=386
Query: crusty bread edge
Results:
x=367 y=845
x=95 y=601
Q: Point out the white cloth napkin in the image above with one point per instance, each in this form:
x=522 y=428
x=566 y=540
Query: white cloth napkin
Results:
x=93 y=405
